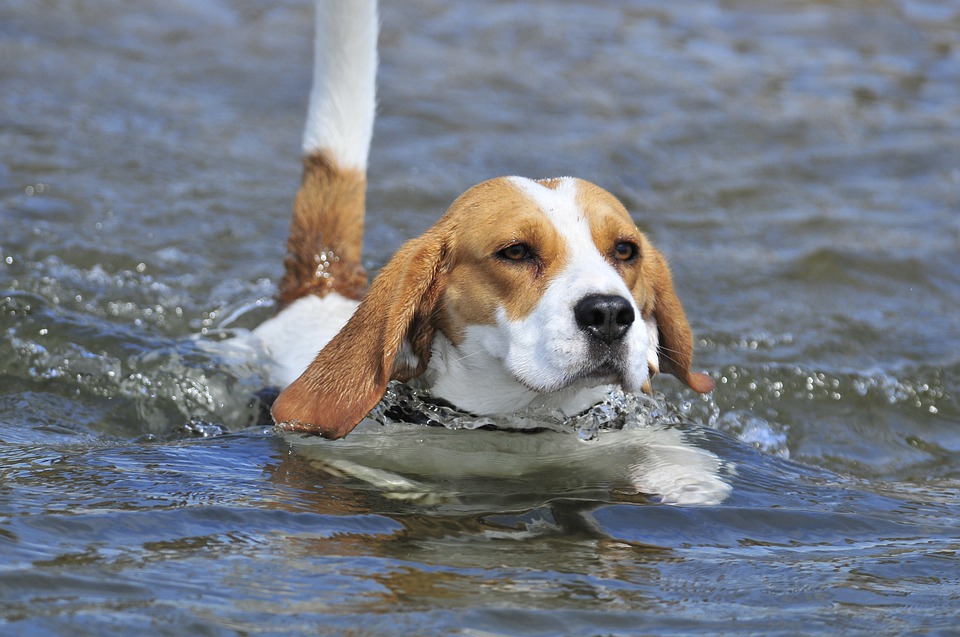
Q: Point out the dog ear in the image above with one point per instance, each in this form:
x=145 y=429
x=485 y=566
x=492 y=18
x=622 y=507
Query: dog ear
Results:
x=389 y=336
x=675 y=341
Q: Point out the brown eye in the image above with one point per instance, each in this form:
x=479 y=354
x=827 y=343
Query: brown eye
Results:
x=625 y=251
x=516 y=252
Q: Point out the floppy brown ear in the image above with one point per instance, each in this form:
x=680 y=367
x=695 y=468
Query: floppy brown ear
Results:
x=675 y=347
x=350 y=375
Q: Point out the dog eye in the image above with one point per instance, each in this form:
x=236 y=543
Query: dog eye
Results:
x=516 y=252
x=625 y=251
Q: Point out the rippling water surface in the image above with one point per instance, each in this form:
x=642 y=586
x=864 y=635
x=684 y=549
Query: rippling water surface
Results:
x=799 y=162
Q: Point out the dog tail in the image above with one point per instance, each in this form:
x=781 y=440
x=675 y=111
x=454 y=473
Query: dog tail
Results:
x=326 y=233
x=340 y=117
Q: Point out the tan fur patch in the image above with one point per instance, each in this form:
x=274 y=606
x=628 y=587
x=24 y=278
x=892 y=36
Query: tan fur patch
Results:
x=483 y=221
x=611 y=224
x=326 y=233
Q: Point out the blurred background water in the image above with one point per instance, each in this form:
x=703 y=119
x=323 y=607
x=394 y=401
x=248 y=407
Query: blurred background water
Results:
x=798 y=161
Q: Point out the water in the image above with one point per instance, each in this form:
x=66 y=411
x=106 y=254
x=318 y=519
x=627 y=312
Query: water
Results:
x=798 y=162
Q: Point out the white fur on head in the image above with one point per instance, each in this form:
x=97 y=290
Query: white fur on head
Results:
x=548 y=347
x=544 y=359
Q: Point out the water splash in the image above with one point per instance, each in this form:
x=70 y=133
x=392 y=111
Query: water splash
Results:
x=147 y=381
x=403 y=403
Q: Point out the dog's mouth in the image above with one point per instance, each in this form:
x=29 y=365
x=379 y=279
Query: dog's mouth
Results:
x=606 y=364
x=606 y=372
x=608 y=369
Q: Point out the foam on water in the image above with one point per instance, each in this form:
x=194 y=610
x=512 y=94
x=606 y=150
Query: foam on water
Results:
x=124 y=337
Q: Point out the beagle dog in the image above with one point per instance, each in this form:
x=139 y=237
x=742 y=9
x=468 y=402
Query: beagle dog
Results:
x=526 y=295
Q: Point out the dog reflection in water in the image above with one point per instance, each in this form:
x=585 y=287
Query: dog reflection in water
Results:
x=628 y=445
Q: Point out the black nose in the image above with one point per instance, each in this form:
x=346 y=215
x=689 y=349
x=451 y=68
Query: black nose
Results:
x=604 y=316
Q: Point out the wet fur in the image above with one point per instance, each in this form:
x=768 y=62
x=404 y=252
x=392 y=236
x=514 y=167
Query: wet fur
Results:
x=421 y=293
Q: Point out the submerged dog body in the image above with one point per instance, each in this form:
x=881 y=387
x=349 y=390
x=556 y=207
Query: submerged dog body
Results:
x=526 y=294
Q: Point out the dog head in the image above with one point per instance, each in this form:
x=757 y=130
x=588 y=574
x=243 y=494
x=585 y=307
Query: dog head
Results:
x=524 y=292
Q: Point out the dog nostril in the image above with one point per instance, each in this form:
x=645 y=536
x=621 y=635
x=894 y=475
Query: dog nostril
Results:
x=604 y=316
